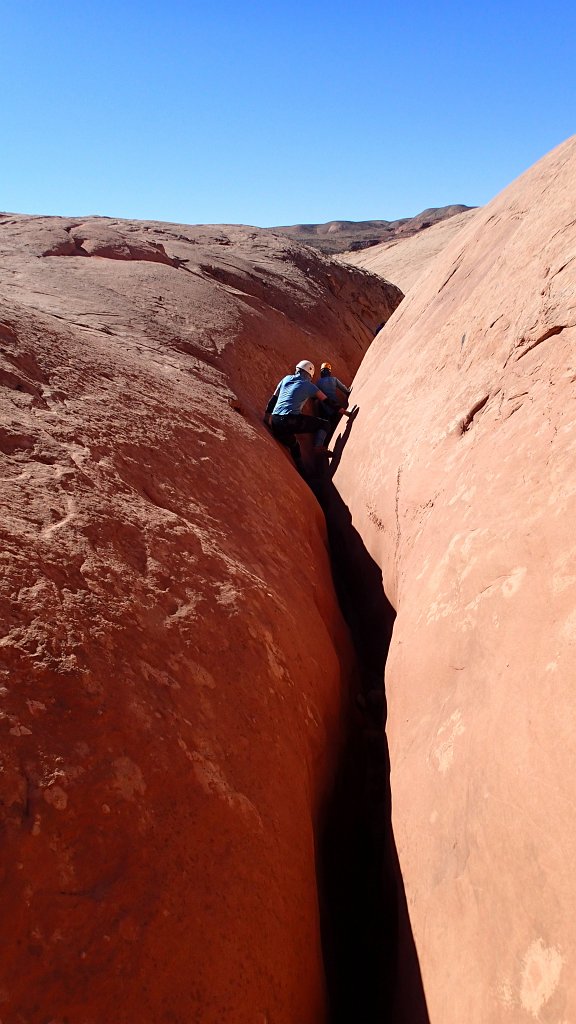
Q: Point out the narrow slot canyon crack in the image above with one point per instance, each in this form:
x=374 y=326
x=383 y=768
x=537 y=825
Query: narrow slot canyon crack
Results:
x=371 y=966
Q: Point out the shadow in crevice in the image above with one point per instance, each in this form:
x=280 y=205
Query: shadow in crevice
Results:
x=372 y=969
x=338 y=446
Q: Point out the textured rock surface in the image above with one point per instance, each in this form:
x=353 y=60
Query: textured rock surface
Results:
x=173 y=663
x=460 y=476
x=404 y=260
x=338 y=235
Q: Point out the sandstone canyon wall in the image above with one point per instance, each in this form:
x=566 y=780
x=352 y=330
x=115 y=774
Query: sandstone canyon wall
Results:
x=339 y=236
x=173 y=666
x=460 y=476
x=404 y=260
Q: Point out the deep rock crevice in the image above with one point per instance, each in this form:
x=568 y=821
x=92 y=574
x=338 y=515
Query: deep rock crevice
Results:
x=371 y=965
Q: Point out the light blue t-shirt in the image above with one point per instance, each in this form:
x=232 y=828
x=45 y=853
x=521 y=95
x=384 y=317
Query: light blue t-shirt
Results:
x=293 y=391
x=328 y=386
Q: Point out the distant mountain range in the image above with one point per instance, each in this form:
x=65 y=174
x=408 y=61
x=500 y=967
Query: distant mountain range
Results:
x=349 y=235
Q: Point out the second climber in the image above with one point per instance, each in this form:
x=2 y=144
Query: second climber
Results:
x=335 y=407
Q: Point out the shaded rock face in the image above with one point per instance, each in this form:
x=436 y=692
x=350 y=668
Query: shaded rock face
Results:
x=404 y=260
x=174 y=663
x=460 y=478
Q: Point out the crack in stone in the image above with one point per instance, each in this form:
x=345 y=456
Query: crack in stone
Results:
x=467 y=421
x=547 y=334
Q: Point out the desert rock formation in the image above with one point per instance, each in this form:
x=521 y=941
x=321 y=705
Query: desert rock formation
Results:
x=403 y=260
x=460 y=477
x=174 y=666
x=337 y=236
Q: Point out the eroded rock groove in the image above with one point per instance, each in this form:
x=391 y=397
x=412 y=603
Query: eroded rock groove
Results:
x=371 y=965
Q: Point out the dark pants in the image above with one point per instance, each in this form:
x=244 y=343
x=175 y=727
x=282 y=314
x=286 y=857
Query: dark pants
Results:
x=333 y=419
x=333 y=413
x=285 y=429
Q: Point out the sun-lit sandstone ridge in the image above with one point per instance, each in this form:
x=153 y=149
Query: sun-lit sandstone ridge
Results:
x=403 y=260
x=460 y=474
x=174 y=665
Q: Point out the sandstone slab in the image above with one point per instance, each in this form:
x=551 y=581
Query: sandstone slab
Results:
x=338 y=236
x=460 y=477
x=173 y=665
x=403 y=260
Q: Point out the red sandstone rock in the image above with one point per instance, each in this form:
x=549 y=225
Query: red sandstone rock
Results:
x=337 y=236
x=404 y=260
x=460 y=478
x=173 y=662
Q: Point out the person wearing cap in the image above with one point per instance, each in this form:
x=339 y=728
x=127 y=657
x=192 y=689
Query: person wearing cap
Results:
x=334 y=407
x=284 y=411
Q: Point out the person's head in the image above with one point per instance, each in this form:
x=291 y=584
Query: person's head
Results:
x=326 y=370
x=305 y=366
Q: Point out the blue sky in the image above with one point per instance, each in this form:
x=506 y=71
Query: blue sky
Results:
x=277 y=112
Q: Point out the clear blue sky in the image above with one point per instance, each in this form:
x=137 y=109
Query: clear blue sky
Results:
x=277 y=112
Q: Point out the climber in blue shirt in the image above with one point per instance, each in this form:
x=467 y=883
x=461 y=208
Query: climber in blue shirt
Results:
x=284 y=411
x=335 y=407
x=330 y=385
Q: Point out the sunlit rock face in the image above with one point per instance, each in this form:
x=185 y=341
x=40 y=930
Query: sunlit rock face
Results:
x=174 y=664
x=460 y=474
x=404 y=260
